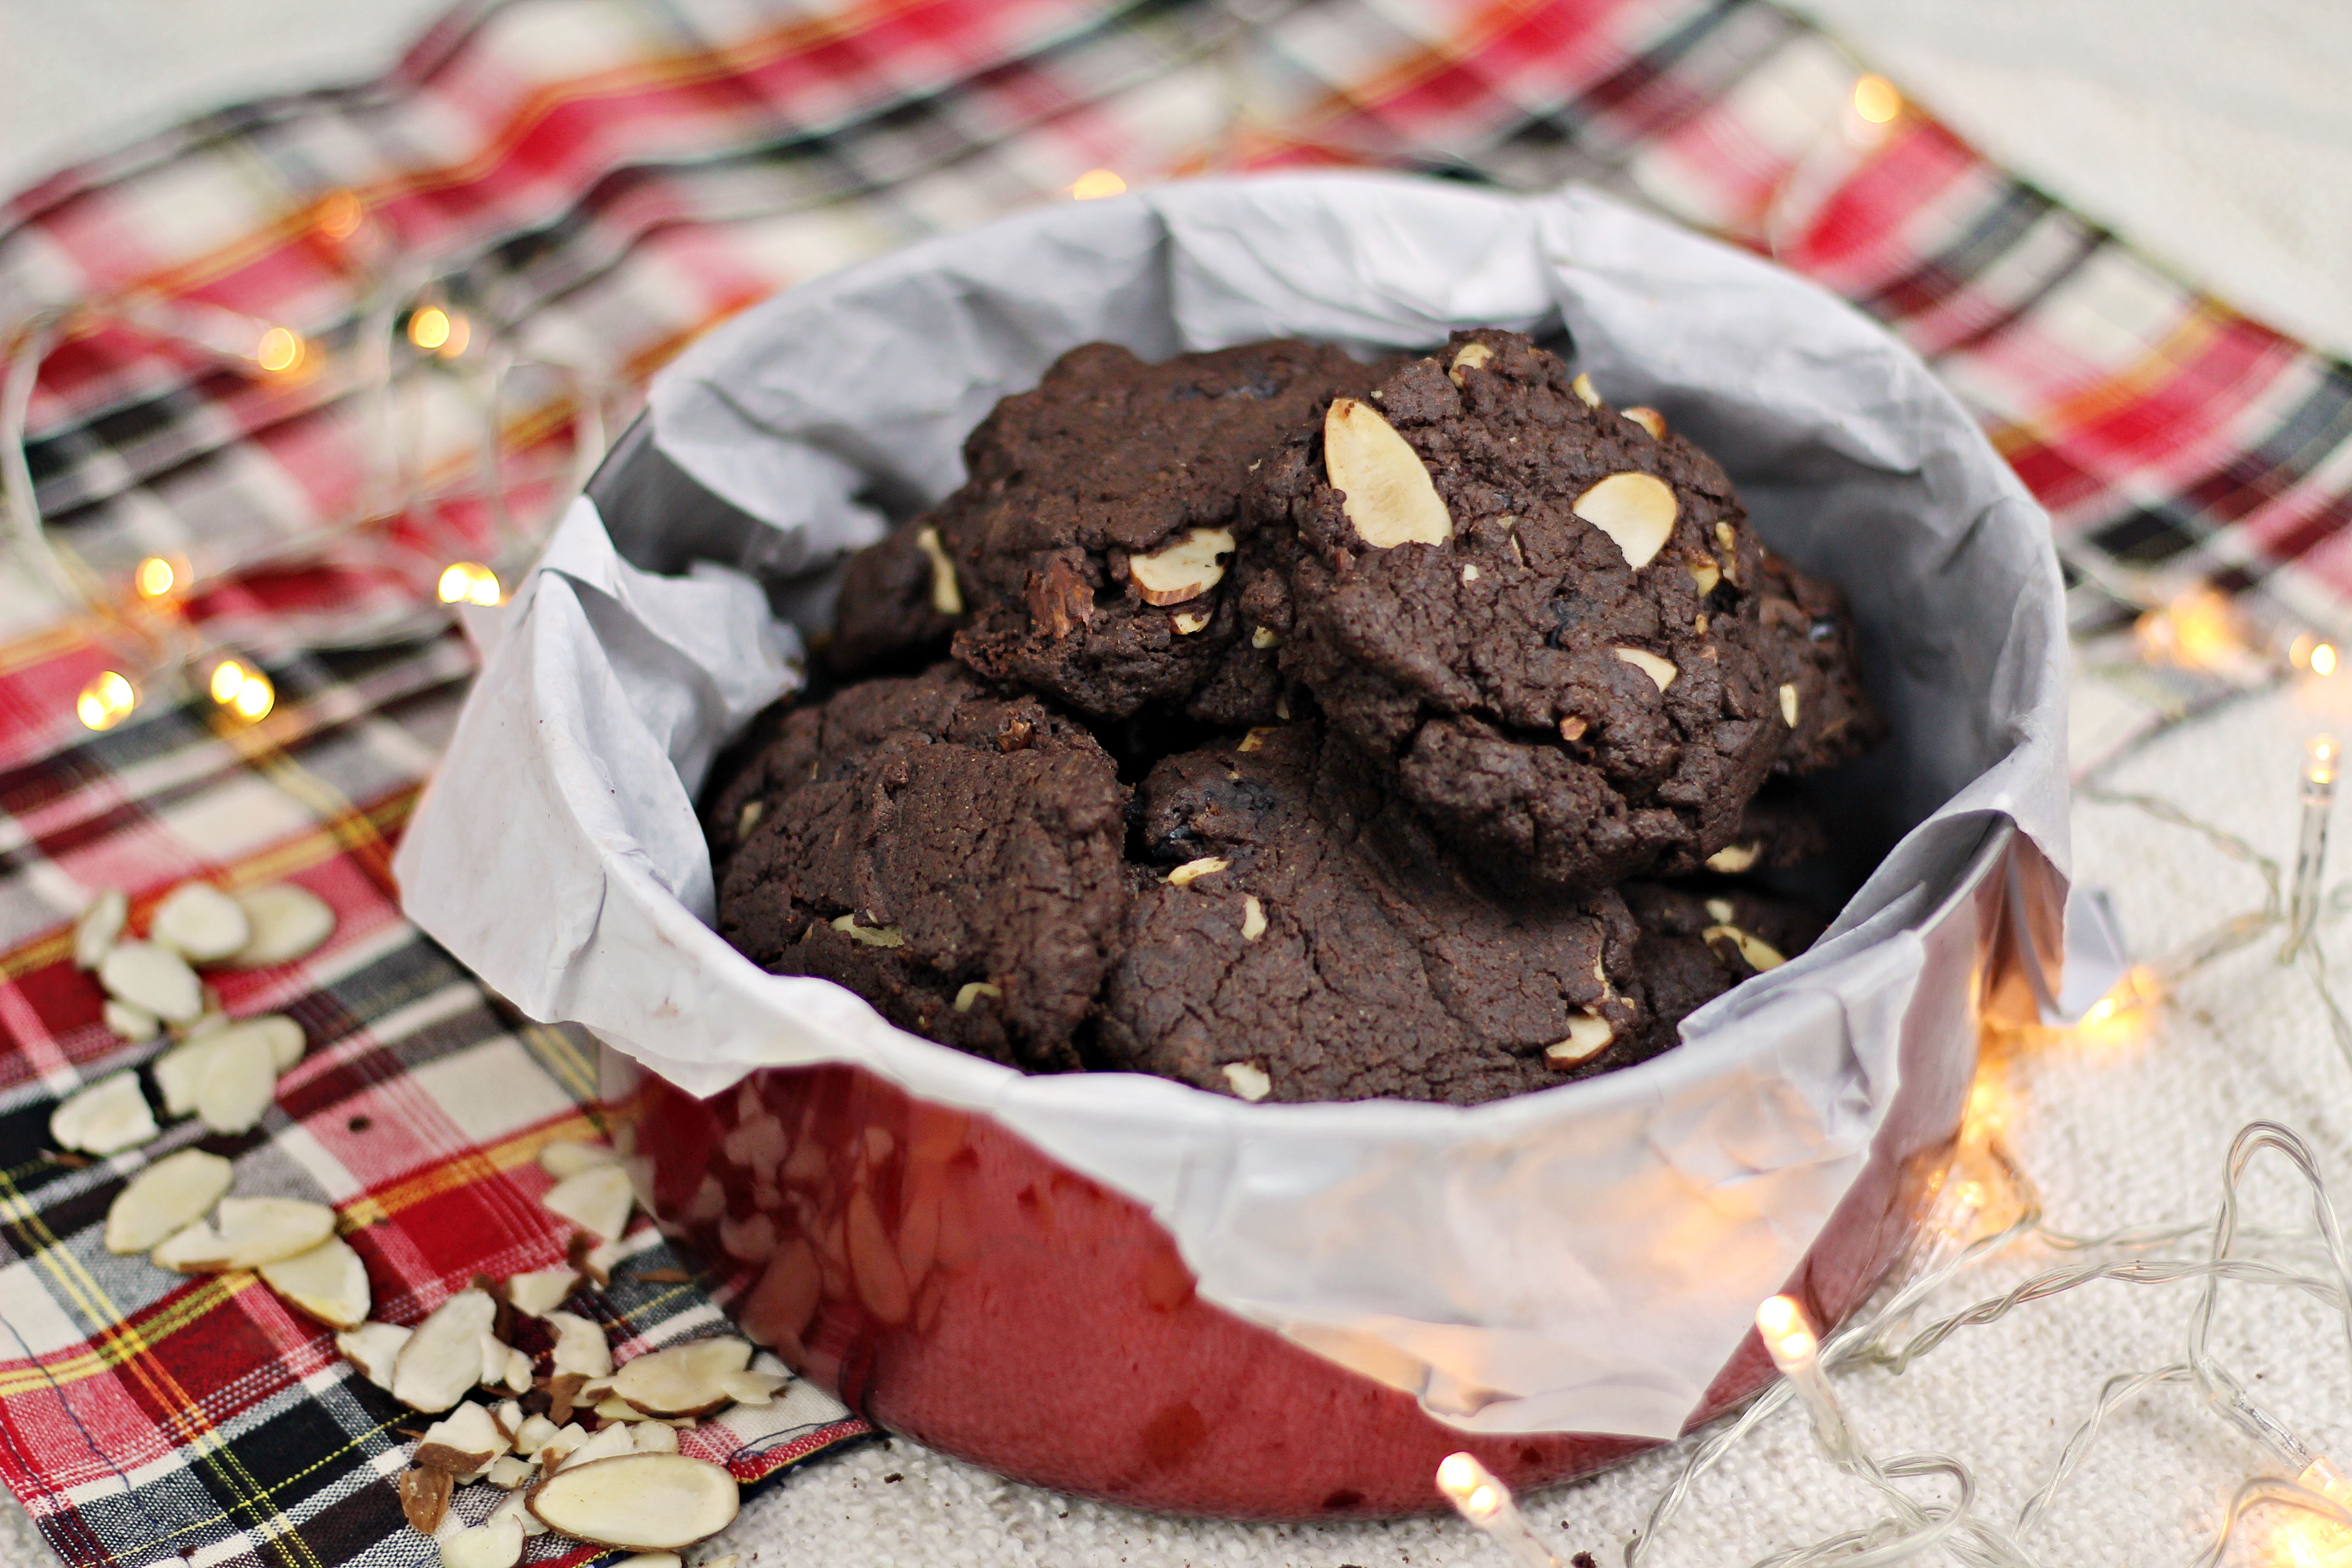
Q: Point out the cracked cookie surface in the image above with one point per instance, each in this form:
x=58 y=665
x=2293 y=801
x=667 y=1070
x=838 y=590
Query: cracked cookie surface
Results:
x=950 y=853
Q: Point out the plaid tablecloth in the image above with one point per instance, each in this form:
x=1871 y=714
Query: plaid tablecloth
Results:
x=600 y=179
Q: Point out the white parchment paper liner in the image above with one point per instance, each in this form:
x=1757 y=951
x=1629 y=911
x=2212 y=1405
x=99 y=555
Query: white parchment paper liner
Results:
x=1580 y=1259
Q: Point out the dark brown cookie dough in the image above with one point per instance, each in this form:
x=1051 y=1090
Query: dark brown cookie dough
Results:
x=1807 y=639
x=898 y=606
x=1541 y=613
x=1308 y=940
x=1699 y=940
x=1097 y=544
x=950 y=855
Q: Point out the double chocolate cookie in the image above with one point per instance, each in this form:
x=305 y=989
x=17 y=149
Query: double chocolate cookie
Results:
x=1309 y=940
x=950 y=855
x=1542 y=614
x=1699 y=940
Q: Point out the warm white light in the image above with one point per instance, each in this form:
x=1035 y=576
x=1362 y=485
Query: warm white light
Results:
x=470 y=583
x=1786 y=1334
x=155 y=577
x=280 y=350
x=2322 y=755
x=341 y=214
x=2322 y=660
x=428 y=329
x=106 y=702
x=1096 y=183
x=1876 y=101
x=228 y=680
x=254 y=698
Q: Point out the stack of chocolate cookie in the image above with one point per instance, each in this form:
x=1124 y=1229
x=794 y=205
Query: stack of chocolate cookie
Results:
x=1302 y=729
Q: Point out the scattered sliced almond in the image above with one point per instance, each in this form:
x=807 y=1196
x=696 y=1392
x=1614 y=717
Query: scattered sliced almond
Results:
x=287 y=922
x=568 y=1157
x=493 y=1543
x=1252 y=918
x=1192 y=871
x=1660 y=670
x=329 y=1282
x=1649 y=419
x=597 y=1200
x=605 y=1443
x=509 y=1473
x=535 y=1433
x=372 y=1348
x=1469 y=356
x=653 y=1437
x=238 y=1082
x=650 y=1502
x=107 y=1118
x=1264 y=638
x=443 y=1358
x=726 y=1562
x=1637 y=510
x=153 y=977
x=871 y=936
x=542 y=1291
x=1588 y=1036
x=613 y=1408
x=96 y=931
x=1789 y=703
x=559 y=1446
x=684 y=1380
x=1583 y=388
x=1391 y=498
x=1734 y=858
x=200 y=924
x=508 y=1413
x=425 y=1498
x=129 y=1022
x=251 y=1232
x=1182 y=570
x=753 y=1387
x=281 y=1034
x=1707 y=574
x=461 y=1442
x=579 y=1345
x=1760 y=954
x=947 y=596
x=973 y=991
x=1248 y=1080
x=514 y=1507
x=165 y=1199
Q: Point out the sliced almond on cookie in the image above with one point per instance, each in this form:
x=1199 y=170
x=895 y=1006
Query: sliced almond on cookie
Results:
x=1469 y=356
x=1583 y=388
x=153 y=977
x=646 y=1503
x=443 y=1358
x=1734 y=858
x=1185 y=569
x=684 y=1380
x=1588 y=1036
x=1649 y=419
x=1391 y=498
x=100 y=925
x=372 y=1348
x=329 y=1282
x=1661 y=670
x=1637 y=510
x=107 y=1118
x=287 y=922
x=597 y=1200
x=947 y=596
x=1247 y=1079
x=1760 y=954
x=200 y=924
x=165 y=1199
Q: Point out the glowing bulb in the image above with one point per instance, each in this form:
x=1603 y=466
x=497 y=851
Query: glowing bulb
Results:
x=280 y=350
x=1786 y=1334
x=228 y=680
x=2322 y=755
x=341 y=214
x=254 y=698
x=1096 y=183
x=428 y=329
x=1457 y=1475
x=468 y=582
x=1876 y=99
x=461 y=332
x=2322 y=660
x=155 y=577
x=106 y=702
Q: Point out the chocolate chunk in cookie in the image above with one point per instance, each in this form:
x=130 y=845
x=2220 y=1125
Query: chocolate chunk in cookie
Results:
x=1541 y=614
x=950 y=855
x=1699 y=940
x=1098 y=545
x=1307 y=938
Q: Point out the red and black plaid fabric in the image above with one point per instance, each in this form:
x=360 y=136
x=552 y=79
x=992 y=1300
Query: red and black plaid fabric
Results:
x=595 y=182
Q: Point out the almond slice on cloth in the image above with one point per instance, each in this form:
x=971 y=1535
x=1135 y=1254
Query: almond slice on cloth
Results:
x=684 y=1380
x=568 y=1157
x=252 y=1232
x=425 y=1498
x=199 y=922
x=560 y=1444
x=287 y=922
x=165 y=1199
x=372 y=1348
x=650 y=1502
x=1391 y=498
x=579 y=1345
x=1184 y=570
x=1637 y=510
x=508 y=1413
x=461 y=1442
x=329 y=1282
x=514 y=1509
x=153 y=977
x=237 y=1081
x=504 y=1367
x=129 y=1022
x=669 y=1560
x=281 y=1034
x=178 y=1072
x=605 y=1443
x=532 y=1434
x=443 y=1358
x=96 y=931
x=597 y=1199
x=755 y=1387
x=542 y=1291
x=654 y=1438
x=107 y=1118
x=510 y=1474
x=493 y=1543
